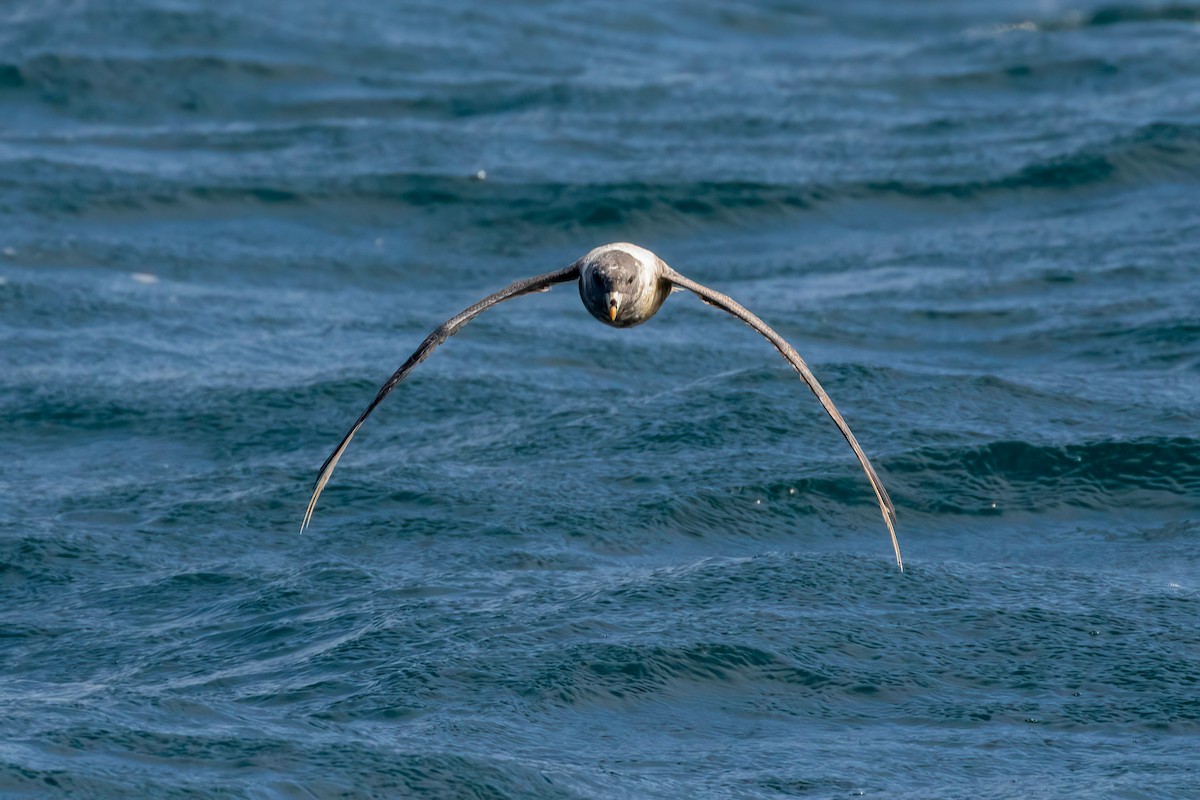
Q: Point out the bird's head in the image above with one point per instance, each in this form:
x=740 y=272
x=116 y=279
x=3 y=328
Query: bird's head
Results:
x=621 y=284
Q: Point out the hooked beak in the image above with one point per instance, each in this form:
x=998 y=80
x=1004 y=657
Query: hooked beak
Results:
x=614 y=301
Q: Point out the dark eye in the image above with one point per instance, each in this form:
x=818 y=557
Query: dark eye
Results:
x=628 y=280
x=596 y=278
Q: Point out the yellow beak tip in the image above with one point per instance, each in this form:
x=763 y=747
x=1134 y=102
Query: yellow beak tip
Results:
x=612 y=313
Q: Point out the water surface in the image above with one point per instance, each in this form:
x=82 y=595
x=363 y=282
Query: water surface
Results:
x=565 y=561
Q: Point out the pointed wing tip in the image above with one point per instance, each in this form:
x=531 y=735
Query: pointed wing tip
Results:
x=312 y=503
x=889 y=517
x=327 y=471
x=312 y=506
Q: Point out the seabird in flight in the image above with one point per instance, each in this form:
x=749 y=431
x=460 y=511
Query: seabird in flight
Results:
x=621 y=285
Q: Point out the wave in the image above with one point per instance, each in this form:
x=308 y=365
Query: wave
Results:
x=1122 y=14
x=1104 y=16
x=975 y=480
x=1154 y=152
x=128 y=744
x=1015 y=475
x=795 y=477
x=1160 y=152
x=606 y=673
x=62 y=75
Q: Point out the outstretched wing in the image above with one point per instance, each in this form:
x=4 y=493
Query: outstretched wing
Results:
x=444 y=332
x=787 y=351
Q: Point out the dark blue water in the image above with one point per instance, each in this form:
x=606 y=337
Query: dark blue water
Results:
x=567 y=561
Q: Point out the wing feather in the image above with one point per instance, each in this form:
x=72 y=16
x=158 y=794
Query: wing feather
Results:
x=539 y=283
x=714 y=298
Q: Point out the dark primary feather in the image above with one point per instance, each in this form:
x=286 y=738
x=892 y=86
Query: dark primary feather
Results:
x=725 y=303
x=444 y=332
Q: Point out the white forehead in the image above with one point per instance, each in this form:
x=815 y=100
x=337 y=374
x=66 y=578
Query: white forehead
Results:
x=640 y=253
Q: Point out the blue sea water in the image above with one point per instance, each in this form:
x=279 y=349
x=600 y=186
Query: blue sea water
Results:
x=567 y=561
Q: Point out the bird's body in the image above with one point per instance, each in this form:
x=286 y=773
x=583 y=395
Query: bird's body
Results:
x=621 y=285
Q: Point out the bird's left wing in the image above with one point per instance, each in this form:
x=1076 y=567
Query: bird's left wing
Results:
x=725 y=303
x=445 y=331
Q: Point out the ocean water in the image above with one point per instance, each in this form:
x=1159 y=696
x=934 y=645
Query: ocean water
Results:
x=562 y=560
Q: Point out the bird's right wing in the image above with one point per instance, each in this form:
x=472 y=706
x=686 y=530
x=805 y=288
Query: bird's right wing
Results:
x=725 y=303
x=445 y=331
